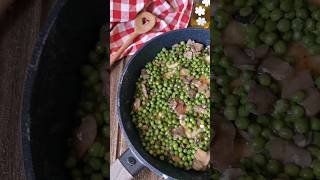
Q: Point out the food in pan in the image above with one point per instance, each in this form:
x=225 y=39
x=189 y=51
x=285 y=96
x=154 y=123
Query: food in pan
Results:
x=89 y=156
x=266 y=91
x=171 y=108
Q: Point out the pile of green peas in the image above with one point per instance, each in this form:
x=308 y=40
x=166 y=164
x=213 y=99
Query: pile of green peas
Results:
x=95 y=164
x=156 y=119
x=277 y=23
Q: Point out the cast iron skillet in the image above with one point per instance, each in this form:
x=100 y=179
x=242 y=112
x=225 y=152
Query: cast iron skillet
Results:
x=135 y=158
x=53 y=85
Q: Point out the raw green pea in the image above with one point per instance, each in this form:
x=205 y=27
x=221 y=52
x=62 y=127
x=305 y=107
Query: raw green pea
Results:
x=299 y=96
x=315 y=124
x=230 y=112
x=246 y=11
x=284 y=25
x=292 y=170
x=297 y=24
x=271 y=4
x=263 y=12
x=257 y=144
x=316 y=15
x=306 y=173
x=242 y=123
x=301 y=125
x=280 y=47
x=286 y=5
x=259 y=159
x=239 y=3
x=276 y=14
x=302 y=13
x=277 y=124
x=317 y=82
x=297 y=35
x=270 y=38
x=270 y=26
x=254 y=129
x=264 y=79
x=274 y=167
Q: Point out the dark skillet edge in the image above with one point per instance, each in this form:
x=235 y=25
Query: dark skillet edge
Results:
x=118 y=115
x=31 y=73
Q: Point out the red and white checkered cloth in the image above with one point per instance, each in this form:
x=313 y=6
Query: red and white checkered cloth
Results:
x=171 y=15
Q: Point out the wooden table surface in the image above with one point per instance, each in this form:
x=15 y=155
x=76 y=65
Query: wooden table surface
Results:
x=19 y=29
x=117 y=141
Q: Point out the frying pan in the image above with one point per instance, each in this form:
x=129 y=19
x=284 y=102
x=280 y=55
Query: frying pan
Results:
x=53 y=87
x=136 y=158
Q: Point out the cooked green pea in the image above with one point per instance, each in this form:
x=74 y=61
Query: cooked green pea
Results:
x=280 y=47
x=315 y=124
x=314 y=49
x=233 y=72
x=263 y=120
x=299 y=96
x=276 y=14
x=274 y=167
x=263 y=12
x=271 y=4
x=230 y=112
x=223 y=80
x=292 y=170
x=316 y=138
x=239 y=3
x=260 y=23
x=264 y=79
x=281 y=106
x=310 y=24
x=270 y=26
x=308 y=40
x=267 y=133
x=254 y=129
x=246 y=11
x=316 y=167
x=297 y=24
x=259 y=159
x=270 y=38
x=302 y=13
x=242 y=123
x=316 y=15
x=290 y=15
x=284 y=25
x=297 y=111
x=317 y=82
x=286 y=5
x=252 y=30
x=306 y=173
x=257 y=144
x=286 y=133
x=301 y=125
x=231 y=100
x=297 y=35
x=243 y=112
x=277 y=124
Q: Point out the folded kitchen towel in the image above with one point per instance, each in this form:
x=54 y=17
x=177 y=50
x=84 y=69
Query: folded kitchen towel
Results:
x=171 y=15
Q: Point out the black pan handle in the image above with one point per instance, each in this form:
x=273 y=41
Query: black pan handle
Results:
x=125 y=167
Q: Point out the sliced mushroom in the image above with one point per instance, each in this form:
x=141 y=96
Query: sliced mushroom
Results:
x=262 y=98
x=201 y=160
x=181 y=107
x=200 y=109
x=178 y=132
x=207 y=59
x=144 y=90
x=287 y=152
x=277 y=68
x=188 y=54
x=85 y=135
x=136 y=104
x=144 y=74
x=196 y=83
x=183 y=72
x=312 y=103
x=302 y=140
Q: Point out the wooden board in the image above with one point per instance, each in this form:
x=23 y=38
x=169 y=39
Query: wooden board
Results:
x=117 y=142
x=19 y=30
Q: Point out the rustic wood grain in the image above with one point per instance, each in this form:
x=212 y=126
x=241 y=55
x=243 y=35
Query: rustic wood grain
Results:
x=18 y=33
x=117 y=141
